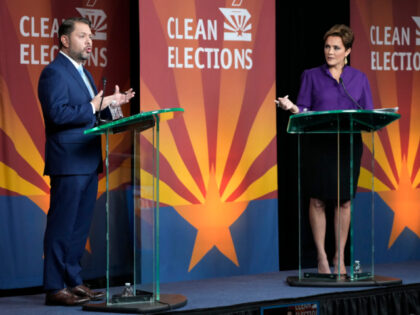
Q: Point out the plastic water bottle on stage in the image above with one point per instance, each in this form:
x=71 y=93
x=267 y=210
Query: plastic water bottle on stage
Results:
x=356 y=267
x=128 y=290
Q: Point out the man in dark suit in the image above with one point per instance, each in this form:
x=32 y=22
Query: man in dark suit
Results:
x=69 y=102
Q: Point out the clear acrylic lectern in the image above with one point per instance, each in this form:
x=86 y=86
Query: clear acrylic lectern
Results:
x=136 y=213
x=342 y=127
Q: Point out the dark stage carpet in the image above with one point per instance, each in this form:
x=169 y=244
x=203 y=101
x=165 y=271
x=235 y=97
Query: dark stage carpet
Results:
x=241 y=294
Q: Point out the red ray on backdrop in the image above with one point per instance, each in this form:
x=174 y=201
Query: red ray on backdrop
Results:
x=386 y=50
x=222 y=153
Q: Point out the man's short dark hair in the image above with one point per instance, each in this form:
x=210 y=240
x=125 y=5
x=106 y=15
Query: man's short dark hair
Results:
x=68 y=26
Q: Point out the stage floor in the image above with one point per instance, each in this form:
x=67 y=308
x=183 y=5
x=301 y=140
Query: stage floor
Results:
x=221 y=293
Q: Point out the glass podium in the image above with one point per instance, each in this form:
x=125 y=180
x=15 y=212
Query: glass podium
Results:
x=337 y=132
x=132 y=216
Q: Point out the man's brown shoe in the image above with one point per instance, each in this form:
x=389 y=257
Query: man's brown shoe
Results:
x=64 y=297
x=83 y=291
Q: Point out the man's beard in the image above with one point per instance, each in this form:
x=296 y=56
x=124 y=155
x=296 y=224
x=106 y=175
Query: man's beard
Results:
x=79 y=56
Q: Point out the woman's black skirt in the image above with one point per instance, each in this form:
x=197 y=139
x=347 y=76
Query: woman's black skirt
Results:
x=319 y=165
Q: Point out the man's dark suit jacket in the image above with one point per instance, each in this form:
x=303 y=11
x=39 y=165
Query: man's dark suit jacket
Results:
x=67 y=113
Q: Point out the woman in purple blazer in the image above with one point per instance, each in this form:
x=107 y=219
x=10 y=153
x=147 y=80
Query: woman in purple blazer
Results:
x=332 y=86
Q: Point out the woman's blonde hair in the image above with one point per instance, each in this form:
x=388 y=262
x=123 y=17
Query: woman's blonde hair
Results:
x=342 y=31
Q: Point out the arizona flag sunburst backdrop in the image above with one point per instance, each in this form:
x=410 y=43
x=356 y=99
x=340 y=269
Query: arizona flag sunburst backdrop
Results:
x=215 y=59
x=387 y=49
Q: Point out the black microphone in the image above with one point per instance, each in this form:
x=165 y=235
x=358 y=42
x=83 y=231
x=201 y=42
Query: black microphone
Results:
x=98 y=114
x=353 y=100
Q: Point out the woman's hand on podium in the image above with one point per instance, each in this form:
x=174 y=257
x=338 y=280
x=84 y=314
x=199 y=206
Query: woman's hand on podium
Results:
x=286 y=104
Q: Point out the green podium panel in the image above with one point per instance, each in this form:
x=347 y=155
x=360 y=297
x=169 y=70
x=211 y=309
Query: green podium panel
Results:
x=333 y=139
x=132 y=215
x=340 y=121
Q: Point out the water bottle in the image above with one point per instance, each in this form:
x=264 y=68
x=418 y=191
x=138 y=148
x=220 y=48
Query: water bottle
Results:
x=356 y=267
x=128 y=290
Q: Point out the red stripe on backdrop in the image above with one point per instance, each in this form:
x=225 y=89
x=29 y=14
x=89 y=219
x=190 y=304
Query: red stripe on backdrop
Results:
x=260 y=78
x=5 y=192
x=370 y=29
x=22 y=78
x=117 y=70
x=18 y=81
x=182 y=140
x=166 y=173
x=416 y=166
x=257 y=169
x=211 y=80
x=385 y=140
x=119 y=153
x=29 y=39
x=10 y=157
x=153 y=64
x=116 y=47
x=271 y=195
x=378 y=170
x=401 y=10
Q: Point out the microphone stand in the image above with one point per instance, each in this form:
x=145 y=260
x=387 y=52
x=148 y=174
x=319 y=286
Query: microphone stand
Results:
x=98 y=114
x=345 y=90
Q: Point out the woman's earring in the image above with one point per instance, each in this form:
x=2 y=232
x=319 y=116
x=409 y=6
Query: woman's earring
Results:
x=345 y=60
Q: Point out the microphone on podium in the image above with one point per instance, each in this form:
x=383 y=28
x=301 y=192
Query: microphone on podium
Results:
x=98 y=114
x=352 y=99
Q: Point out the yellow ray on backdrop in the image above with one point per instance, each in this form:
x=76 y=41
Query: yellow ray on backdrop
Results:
x=385 y=17
x=395 y=141
x=42 y=201
x=232 y=91
x=88 y=247
x=405 y=202
x=363 y=14
x=190 y=95
x=212 y=220
x=114 y=141
x=404 y=198
x=166 y=9
x=262 y=186
x=230 y=104
x=189 y=84
x=365 y=181
x=261 y=134
x=36 y=8
x=386 y=80
x=168 y=147
x=387 y=96
x=14 y=128
x=120 y=175
x=10 y=180
x=416 y=180
x=414 y=136
x=380 y=158
x=167 y=194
